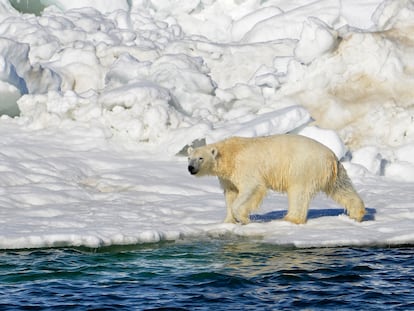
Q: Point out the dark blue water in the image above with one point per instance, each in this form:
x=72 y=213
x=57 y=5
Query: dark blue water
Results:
x=208 y=275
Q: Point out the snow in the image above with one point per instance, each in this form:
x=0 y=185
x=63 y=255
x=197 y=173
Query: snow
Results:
x=99 y=99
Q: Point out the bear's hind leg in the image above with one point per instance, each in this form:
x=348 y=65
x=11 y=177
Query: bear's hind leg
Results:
x=344 y=194
x=353 y=204
x=298 y=207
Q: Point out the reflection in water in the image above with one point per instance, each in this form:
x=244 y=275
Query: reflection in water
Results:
x=228 y=274
x=250 y=260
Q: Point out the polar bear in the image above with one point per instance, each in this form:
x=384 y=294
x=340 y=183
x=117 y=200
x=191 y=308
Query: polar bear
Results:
x=300 y=166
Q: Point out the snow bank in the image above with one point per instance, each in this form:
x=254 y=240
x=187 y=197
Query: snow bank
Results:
x=92 y=54
x=274 y=28
x=106 y=93
x=78 y=191
x=36 y=7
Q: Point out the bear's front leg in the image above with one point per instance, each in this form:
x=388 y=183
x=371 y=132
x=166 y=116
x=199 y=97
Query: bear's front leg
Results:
x=230 y=196
x=247 y=201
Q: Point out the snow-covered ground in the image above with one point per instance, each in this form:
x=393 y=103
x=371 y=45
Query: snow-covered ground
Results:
x=98 y=98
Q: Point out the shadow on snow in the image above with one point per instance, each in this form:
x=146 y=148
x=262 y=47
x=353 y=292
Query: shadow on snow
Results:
x=312 y=214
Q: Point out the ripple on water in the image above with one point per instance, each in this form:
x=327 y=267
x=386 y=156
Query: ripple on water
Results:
x=221 y=275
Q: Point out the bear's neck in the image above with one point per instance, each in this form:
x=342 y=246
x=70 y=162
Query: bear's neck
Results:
x=224 y=167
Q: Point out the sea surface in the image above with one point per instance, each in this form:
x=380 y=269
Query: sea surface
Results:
x=227 y=274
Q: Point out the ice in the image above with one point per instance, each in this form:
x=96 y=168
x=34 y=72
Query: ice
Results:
x=363 y=17
x=401 y=165
x=241 y=26
x=104 y=6
x=98 y=97
x=6 y=9
x=143 y=110
x=370 y=158
x=357 y=88
x=274 y=28
x=69 y=195
x=9 y=95
x=316 y=39
x=327 y=137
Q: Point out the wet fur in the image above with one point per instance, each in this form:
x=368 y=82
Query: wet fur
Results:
x=302 y=167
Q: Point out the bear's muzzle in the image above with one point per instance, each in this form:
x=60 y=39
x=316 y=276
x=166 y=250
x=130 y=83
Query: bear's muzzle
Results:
x=192 y=170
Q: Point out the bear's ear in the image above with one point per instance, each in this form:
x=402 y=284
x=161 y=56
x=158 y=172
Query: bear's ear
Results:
x=189 y=150
x=214 y=152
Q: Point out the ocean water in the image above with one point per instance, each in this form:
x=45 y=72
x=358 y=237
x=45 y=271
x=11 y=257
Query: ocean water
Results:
x=228 y=274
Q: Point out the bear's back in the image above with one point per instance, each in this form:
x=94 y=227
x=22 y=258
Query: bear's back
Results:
x=284 y=143
x=277 y=159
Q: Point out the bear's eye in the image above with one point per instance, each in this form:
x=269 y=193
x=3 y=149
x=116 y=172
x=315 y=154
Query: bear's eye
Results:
x=200 y=159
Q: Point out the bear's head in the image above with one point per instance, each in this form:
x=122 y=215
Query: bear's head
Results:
x=202 y=160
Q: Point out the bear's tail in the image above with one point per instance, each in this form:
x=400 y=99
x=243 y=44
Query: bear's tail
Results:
x=343 y=192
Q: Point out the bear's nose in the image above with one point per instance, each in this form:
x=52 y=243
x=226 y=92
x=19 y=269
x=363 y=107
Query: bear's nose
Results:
x=192 y=169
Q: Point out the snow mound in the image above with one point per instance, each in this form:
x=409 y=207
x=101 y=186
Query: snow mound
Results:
x=97 y=98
